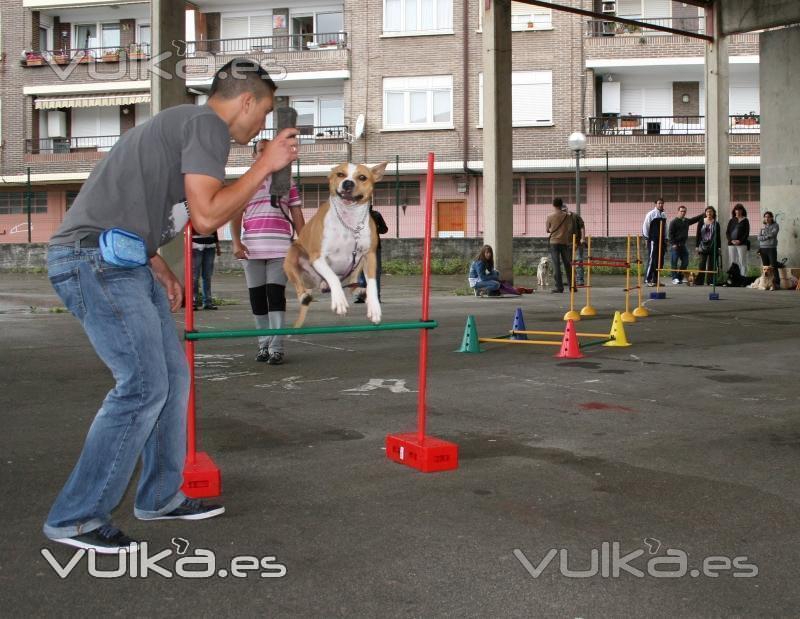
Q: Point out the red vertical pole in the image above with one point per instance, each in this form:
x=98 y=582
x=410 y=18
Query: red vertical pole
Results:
x=426 y=293
x=188 y=300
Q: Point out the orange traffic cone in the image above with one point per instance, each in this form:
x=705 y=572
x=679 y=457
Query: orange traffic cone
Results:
x=570 y=349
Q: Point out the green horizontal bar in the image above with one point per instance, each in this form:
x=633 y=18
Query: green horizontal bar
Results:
x=596 y=342
x=389 y=326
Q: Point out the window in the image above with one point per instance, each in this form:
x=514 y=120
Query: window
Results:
x=745 y=189
x=86 y=36
x=531 y=98
x=540 y=190
x=144 y=36
x=323 y=111
x=524 y=17
x=313 y=194
x=245 y=32
x=110 y=37
x=15 y=202
x=44 y=38
x=418 y=16
x=385 y=194
x=638 y=189
x=418 y=102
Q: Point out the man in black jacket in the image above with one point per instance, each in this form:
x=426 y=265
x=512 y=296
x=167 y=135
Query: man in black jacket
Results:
x=678 y=235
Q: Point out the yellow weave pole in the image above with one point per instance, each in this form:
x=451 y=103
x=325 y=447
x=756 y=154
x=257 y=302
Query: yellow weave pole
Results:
x=559 y=333
x=536 y=342
x=658 y=257
x=641 y=310
x=627 y=315
x=588 y=310
x=572 y=314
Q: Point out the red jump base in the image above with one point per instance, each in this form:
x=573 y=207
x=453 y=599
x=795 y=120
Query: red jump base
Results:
x=430 y=456
x=202 y=479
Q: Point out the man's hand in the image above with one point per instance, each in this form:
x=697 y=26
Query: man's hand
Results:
x=281 y=151
x=736 y=242
x=167 y=279
x=240 y=251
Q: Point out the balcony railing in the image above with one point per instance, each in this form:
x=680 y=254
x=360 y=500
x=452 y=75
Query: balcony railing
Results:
x=64 y=146
x=270 y=44
x=603 y=28
x=668 y=125
x=310 y=135
x=135 y=51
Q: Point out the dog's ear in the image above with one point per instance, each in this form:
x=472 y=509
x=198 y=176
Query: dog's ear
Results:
x=378 y=170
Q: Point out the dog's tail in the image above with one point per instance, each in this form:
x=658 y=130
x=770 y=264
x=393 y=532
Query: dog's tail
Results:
x=305 y=300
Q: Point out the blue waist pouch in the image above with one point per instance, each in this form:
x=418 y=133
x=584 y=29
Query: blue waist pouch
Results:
x=122 y=248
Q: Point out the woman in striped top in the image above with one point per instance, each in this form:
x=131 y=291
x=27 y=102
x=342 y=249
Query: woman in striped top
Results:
x=261 y=238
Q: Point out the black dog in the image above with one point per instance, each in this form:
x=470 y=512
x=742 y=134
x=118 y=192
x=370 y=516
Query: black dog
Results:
x=736 y=279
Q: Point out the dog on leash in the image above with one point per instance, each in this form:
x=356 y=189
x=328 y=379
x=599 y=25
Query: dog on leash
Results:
x=338 y=242
x=544 y=272
x=767 y=279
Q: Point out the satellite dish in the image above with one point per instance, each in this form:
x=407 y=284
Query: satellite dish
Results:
x=360 y=123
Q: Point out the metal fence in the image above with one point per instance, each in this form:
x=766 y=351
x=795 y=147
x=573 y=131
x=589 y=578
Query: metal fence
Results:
x=668 y=125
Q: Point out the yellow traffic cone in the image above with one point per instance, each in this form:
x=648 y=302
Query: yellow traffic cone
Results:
x=618 y=332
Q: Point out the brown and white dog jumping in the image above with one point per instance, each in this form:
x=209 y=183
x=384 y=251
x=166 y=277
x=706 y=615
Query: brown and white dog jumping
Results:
x=338 y=242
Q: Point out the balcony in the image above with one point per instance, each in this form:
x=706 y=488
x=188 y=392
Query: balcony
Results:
x=288 y=53
x=668 y=125
x=326 y=145
x=602 y=28
x=85 y=55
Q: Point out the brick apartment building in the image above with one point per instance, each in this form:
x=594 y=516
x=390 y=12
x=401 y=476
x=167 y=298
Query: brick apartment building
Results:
x=75 y=77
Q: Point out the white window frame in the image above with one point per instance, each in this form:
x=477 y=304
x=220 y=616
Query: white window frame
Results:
x=48 y=43
x=404 y=31
x=98 y=29
x=532 y=11
x=407 y=85
x=520 y=76
x=317 y=99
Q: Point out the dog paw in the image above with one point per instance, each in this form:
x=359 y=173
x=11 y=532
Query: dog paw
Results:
x=339 y=303
x=374 y=312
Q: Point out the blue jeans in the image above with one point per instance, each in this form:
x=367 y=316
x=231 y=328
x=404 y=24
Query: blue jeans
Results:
x=487 y=284
x=679 y=253
x=126 y=315
x=559 y=253
x=203 y=263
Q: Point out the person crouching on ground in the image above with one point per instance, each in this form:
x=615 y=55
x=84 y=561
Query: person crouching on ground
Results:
x=483 y=277
x=261 y=238
x=708 y=250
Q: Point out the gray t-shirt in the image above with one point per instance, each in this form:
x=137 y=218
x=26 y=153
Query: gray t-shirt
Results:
x=139 y=187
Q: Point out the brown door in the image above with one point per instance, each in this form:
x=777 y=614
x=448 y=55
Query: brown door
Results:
x=451 y=218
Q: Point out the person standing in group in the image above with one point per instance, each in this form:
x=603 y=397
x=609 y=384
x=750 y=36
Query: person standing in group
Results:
x=708 y=249
x=158 y=176
x=205 y=247
x=360 y=295
x=738 y=235
x=262 y=235
x=768 y=246
x=561 y=228
x=654 y=230
x=678 y=237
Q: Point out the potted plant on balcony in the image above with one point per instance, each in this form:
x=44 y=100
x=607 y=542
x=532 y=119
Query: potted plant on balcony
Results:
x=34 y=59
x=749 y=119
x=137 y=53
x=84 y=56
x=60 y=57
x=111 y=55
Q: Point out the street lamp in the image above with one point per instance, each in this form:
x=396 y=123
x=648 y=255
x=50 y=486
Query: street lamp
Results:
x=577 y=143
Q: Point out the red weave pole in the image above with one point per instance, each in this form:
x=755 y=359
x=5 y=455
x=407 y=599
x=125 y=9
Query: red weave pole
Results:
x=188 y=302
x=426 y=295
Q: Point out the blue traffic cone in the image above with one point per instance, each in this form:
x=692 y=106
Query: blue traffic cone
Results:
x=519 y=325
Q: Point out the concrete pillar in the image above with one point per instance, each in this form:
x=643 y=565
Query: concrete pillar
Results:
x=718 y=173
x=780 y=136
x=168 y=21
x=498 y=207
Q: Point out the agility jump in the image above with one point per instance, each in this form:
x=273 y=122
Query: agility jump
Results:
x=202 y=478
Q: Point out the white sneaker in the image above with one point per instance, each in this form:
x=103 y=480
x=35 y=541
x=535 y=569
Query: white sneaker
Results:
x=676 y=281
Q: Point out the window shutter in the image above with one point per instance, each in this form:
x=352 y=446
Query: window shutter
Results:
x=261 y=25
x=235 y=27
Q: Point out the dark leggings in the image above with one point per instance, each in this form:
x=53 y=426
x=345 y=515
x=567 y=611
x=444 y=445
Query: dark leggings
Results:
x=267 y=298
x=706 y=264
x=769 y=258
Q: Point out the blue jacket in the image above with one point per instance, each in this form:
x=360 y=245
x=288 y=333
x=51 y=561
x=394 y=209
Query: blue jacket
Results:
x=478 y=272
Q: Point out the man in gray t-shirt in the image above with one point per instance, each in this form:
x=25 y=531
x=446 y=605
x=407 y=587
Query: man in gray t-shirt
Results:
x=157 y=177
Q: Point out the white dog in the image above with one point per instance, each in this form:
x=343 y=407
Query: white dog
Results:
x=544 y=272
